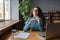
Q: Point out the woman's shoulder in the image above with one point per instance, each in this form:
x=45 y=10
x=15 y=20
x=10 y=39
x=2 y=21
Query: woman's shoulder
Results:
x=41 y=19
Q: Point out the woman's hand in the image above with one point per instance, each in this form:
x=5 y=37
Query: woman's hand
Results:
x=31 y=21
x=38 y=19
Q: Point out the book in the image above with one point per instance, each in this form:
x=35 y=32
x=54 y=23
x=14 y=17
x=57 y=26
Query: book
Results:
x=41 y=36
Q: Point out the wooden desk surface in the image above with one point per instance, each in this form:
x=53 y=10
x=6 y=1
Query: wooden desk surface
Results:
x=6 y=24
x=33 y=36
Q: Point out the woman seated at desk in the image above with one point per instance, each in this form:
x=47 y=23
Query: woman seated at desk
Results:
x=35 y=21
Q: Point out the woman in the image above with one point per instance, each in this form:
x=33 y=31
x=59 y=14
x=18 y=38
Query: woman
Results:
x=35 y=20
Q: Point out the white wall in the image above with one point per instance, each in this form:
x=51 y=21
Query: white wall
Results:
x=14 y=9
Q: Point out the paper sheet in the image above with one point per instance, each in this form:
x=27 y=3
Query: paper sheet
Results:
x=22 y=35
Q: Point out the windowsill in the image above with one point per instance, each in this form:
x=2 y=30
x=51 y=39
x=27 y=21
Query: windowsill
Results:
x=2 y=20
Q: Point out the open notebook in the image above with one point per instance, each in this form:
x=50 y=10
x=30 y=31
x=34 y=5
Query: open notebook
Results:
x=23 y=35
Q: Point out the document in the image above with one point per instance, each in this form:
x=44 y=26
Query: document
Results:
x=24 y=35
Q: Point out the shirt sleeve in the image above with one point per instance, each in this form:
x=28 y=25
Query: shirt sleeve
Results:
x=26 y=27
x=27 y=22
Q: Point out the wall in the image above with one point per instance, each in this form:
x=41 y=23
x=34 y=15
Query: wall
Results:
x=46 y=5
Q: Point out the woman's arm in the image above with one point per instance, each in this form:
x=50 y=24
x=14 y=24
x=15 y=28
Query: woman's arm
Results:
x=26 y=27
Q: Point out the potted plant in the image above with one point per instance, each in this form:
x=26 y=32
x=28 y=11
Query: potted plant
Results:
x=24 y=8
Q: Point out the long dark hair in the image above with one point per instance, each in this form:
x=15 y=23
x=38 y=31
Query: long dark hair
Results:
x=40 y=14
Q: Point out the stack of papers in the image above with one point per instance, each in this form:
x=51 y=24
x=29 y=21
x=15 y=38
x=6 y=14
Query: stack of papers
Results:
x=23 y=35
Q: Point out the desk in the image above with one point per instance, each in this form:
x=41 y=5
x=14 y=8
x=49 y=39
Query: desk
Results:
x=33 y=36
x=7 y=25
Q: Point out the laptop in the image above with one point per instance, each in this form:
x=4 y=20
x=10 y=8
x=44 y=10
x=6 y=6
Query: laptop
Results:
x=53 y=31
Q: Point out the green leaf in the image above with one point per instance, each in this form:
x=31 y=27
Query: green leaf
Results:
x=24 y=8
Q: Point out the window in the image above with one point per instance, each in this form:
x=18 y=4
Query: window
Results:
x=4 y=9
x=1 y=10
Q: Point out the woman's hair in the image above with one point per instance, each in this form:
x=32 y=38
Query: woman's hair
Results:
x=40 y=14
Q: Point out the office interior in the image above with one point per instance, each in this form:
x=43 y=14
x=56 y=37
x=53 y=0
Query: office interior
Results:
x=11 y=17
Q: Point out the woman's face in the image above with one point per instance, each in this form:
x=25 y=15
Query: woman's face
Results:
x=35 y=12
